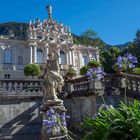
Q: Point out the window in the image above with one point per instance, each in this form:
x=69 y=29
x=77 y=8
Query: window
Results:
x=85 y=60
x=62 y=58
x=8 y=56
x=20 y=60
x=39 y=56
x=7 y=76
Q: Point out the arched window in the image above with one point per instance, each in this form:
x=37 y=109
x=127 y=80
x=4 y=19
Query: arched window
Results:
x=62 y=58
x=85 y=60
x=8 y=56
x=20 y=60
x=39 y=56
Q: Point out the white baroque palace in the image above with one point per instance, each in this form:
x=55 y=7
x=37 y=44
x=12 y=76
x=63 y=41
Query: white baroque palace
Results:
x=42 y=38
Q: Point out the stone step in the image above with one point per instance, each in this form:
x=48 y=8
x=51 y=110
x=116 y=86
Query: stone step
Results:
x=6 y=137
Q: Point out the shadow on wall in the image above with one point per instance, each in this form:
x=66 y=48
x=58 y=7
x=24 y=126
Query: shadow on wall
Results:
x=25 y=126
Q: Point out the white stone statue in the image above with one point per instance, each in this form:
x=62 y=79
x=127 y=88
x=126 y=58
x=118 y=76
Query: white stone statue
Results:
x=53 y=80
x=49 y=9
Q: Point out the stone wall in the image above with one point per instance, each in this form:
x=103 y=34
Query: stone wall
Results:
x=20 y=120
x=80 y=107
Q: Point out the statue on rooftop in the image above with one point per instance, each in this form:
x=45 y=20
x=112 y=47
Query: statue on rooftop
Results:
x=49 y=9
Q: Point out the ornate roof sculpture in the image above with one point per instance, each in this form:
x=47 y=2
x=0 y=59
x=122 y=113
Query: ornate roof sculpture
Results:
x=49 y=30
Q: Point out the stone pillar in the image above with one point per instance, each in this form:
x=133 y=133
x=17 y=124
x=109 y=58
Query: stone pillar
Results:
x=70 y=58
x=58 y=50
x=73 y=58
x=35 y=54
x=81 y=59
x=53 y=110
x=67 y=57
x=46 y=54
x=31 y=56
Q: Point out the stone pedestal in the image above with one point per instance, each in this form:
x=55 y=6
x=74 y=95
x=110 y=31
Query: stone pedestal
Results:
x=54 y=123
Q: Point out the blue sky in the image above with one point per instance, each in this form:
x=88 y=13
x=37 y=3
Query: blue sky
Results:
x=115 y=21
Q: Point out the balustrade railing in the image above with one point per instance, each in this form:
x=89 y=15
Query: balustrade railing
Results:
x=21 y=87
x=112 y=84
x=132 y=84
x=83 y=86
x=77 y=86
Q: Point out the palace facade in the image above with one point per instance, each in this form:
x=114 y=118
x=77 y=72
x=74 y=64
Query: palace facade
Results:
x=42 y=38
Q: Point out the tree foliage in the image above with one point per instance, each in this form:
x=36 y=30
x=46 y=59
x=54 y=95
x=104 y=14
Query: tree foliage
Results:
x=108 y=58
x=84 y=70
x=32 y=70
x=89 y=38
x=19 y=29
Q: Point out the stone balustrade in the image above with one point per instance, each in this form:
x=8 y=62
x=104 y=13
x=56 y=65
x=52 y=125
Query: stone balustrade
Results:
x=133 y=85
x=112 y=84
x=77 y=86
x=83 y=87
x=21 y=87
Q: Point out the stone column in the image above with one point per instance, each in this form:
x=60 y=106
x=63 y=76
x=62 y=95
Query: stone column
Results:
x=45 y=54
x=35 y=54
x=31 y=56
x=58 y=50
x=70 y=58
x=53 y=110
x=67 y=57
x=73 y=58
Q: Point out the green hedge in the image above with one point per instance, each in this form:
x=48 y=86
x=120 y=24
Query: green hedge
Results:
x=94 y=63
x=84 y=70
x=136 y=71
x=32 y=70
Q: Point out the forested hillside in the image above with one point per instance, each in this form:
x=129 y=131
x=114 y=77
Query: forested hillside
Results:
x=19 y=29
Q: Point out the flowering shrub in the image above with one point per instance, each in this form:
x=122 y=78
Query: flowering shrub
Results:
x=95 y=73
x=128 y=61
x=136 y=71
x=122 y=123
x=55 y=123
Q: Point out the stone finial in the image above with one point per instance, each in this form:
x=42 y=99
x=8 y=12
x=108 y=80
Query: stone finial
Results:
x=49 y=9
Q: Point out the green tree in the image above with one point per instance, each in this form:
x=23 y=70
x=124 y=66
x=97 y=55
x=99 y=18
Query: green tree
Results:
x=84 y=70
x=32 y=70
x=108 y=58
x=89 y=38
x=137 y=38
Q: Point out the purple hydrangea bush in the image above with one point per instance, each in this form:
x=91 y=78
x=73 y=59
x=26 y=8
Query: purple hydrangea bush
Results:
x=55 y=124
x=127 y=61
x=95 y=73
